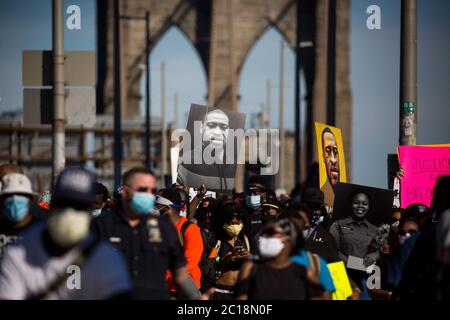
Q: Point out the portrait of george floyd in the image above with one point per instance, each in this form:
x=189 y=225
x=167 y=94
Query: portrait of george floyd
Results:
x=209 y=150
x=331 y=158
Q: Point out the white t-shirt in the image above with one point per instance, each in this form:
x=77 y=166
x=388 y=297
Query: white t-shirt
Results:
x=26 y=269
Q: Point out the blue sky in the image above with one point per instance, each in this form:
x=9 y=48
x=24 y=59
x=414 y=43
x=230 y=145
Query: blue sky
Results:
x=374 y=58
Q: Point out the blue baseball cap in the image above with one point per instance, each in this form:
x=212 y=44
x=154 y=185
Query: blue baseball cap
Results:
x=75 y=184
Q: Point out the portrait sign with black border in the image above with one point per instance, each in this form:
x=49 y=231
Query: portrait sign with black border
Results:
x=209 y=150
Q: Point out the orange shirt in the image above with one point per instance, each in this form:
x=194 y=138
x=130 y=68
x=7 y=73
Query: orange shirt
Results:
x=193 y=250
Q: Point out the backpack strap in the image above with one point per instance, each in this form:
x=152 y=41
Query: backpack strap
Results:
x=183 y=229
x=62 y=277
x=316 y=259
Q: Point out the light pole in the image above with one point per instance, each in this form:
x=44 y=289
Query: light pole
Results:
x=281 y=105
x=117 y=152
x=297 y=161
x=408 y=73
x=58 y=147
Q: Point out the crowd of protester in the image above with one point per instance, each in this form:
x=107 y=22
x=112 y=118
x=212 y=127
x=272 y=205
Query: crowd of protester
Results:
x=138 y=242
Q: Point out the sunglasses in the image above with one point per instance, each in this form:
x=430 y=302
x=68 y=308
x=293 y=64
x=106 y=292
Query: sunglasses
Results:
x=271 y=232
x=140 y=189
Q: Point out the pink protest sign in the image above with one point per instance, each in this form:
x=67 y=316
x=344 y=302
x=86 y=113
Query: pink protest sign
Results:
x=423 y=165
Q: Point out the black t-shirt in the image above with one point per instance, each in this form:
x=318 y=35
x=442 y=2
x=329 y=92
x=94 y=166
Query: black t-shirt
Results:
x=9 y=234
x=150 y=248
x=267 y=283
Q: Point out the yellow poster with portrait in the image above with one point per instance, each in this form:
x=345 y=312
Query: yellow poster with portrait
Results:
x=331 y=158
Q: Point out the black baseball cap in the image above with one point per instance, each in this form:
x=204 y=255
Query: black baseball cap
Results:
x=313 y=195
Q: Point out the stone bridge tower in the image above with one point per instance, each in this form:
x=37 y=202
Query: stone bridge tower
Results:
x=223 y=32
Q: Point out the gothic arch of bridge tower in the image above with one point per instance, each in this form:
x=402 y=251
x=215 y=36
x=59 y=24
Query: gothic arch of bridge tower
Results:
x=223 y=33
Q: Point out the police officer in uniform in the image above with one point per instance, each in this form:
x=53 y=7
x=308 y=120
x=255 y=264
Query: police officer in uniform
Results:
x=149 y=243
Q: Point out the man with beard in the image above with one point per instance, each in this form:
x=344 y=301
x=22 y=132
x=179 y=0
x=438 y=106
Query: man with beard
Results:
x=218 y=176
x=330 y=155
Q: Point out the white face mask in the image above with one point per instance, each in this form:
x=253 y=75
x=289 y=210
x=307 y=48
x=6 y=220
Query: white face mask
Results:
x=183 y=213
x=69 y=226
x=270 y=247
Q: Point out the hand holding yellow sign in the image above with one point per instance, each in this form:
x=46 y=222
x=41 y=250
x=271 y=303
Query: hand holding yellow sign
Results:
x=340 y=279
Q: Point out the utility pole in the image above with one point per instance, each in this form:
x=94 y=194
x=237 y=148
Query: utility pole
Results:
x=117 y=153
x=268 y=102
x=147 y=92
x=58 y=149
x=331 y=64
x=408 y=73
x=212 y=54
x=163 y=125
x=297 y=161
x=281 y=105
x=233 y=80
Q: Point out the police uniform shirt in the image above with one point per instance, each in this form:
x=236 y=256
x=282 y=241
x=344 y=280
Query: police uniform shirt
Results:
x=353 y=237
x=255 y=218
x=149 y=249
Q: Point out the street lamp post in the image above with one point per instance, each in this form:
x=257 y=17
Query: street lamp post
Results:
x=408 y=73
x=58 y=149
x=117 y=149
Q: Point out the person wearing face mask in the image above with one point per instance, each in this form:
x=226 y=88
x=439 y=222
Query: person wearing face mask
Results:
x=101 y=199
x=39 y=265
x=276 y=276
x=16 y=196
x=270 y=208
x=405 y=240
x=255 y=195
x=36 y=210
x=232 y=247
x=307 y=256
x=148 y=240
x=168 y=203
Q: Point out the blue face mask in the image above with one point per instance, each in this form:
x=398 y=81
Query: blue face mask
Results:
x=253 y=201
x=142 y=203
x=15 y=207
